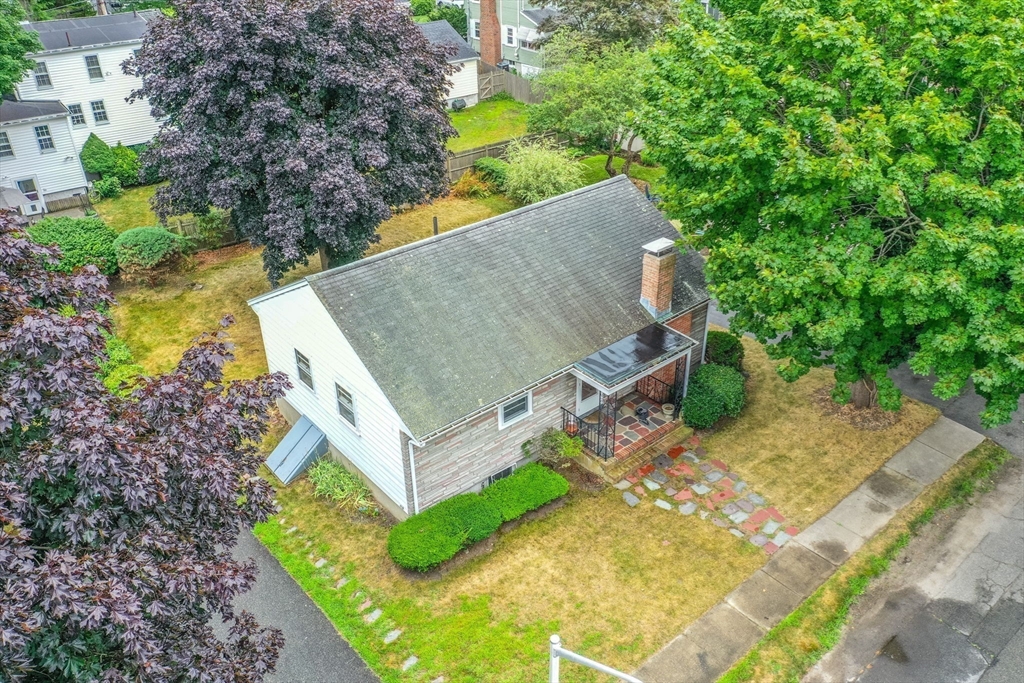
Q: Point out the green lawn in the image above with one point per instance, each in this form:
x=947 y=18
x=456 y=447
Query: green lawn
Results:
x=490 y=121
x=130 y=210
x=593 y=170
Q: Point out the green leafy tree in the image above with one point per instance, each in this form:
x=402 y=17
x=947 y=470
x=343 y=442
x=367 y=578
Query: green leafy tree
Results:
x=857 y=167
x=606 y=22
x=15 y=43
x=41 y=10
x=590 y=96
x=456 y=16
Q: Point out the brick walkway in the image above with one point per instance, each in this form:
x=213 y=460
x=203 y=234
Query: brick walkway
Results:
x=712 y=644
x=687 y=480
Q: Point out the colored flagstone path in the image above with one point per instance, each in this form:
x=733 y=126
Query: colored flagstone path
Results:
x=684 y=478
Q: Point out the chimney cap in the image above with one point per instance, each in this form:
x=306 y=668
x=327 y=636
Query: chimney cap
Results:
x=660 y=247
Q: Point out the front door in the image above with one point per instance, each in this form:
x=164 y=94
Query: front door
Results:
x=588 y=398
x=35 y=204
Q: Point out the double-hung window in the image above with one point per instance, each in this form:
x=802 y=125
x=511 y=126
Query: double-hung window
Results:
x=77 y=115
x=44 y=139
x=99 y=112
x=515 y=410
x=92 y=63
x=346 y=404
x=510 y=36
x=304 y=368
x=5 y=145
x=42 y=75
x=476 y=30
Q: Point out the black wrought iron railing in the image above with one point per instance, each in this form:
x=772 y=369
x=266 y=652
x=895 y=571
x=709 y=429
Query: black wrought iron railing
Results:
x=655 y=390
x=597 y=437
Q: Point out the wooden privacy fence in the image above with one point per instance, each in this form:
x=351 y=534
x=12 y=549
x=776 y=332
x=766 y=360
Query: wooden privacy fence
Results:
x=491 y=80
x=460 y=162
x=76 y=202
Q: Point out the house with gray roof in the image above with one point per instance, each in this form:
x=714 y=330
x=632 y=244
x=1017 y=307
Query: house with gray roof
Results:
x=464 y=82
x=426 y=368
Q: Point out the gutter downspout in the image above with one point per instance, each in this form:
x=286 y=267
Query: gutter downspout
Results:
x=412 y=470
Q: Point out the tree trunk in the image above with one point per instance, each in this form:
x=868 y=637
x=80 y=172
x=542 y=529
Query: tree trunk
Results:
x=630 y=154
x=325 y=261
x=609 y=165
x=864 y=393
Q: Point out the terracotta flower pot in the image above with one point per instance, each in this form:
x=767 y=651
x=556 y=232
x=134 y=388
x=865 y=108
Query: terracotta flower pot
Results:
x=572 y=429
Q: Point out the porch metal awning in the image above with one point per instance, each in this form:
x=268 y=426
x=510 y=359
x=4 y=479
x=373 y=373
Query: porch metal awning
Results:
x=634 y=355
x=303 y=444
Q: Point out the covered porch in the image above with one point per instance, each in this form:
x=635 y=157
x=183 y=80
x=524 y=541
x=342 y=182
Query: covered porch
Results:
x=628 y=393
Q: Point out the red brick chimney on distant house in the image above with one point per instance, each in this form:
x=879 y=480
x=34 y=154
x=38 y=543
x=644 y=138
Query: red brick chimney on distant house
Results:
x=490 y=32
x=659 y=274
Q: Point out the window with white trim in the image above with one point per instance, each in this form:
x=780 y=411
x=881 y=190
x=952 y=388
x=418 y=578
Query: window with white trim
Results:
x=5 y=145
x=42 y=75
x=92 y=64
x=44 y=139
x=77 y=115
x=346 y=404
x=515 y=410
x=510 y=36
x=304 y=369
x=476 y=30
x=99 y=112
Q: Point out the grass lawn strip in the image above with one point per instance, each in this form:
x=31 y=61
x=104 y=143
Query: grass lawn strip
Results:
x=489 y=122
x=790 y=649
x=130 y=210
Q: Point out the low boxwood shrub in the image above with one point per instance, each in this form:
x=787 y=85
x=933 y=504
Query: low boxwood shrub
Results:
x=107 y=188
x=126 y=165
x=424 y=541
x=82 y=241
x=147 y=249
x=492 y=170
x=528 y=488
x=714 y=391
x=724 y=348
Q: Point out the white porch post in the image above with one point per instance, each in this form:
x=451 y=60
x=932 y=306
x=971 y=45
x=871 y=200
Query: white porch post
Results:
x=686 y=375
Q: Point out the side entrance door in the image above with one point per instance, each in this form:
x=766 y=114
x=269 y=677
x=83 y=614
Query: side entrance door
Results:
x=587 y=398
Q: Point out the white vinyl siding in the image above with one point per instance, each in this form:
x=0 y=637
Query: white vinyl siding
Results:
x=346 y=404
x=303 y=369
x=296 y=318
x=465 y=84
x=127 y=123
x=56 y=174
x=42 y=76
x=5 y=145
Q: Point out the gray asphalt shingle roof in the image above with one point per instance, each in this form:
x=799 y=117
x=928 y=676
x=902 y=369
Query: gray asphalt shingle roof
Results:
x=60 y=34
x=440 y=32
x=454 y=323
x=537 y=16
x=11 y=110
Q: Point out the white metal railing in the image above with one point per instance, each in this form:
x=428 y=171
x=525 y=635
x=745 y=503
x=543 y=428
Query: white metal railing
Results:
x=558 y=653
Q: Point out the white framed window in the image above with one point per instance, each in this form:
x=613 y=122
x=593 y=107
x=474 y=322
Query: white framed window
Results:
x=476 y=29
x=42 y=75
x=77 y=115
x=509 y=36
x=44 y=139
x=304 y=369
x=501 y=475
x=346 y=404
x=92 y=64
x=515 y=410
x=5 y=145
x=528 y=45
x=99 y=112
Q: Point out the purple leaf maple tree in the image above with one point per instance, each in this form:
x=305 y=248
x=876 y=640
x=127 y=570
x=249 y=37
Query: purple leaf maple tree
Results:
x=118 y=514
x=309 y=119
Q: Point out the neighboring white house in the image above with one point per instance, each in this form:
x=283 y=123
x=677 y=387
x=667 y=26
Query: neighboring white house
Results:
x=38 y=156
x=426 y=368
x=80 y=65
x=465 y=85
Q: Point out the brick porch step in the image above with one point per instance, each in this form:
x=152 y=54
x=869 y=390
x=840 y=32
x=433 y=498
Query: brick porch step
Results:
x=615 y=469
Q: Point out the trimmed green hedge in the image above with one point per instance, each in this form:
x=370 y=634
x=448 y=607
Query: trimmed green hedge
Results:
x=82 y=242
x=726 y=349
x=526 y=489
x=492 y=170
x=714 y=391
x=146 y=248
x=435 y=535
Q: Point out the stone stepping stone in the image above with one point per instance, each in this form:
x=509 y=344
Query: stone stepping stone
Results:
x=645 y=470
x=663 y=462
x=705 y=468
x=688 y=508
x=341 y=582
x=392 y=636
x=633 y=479
x=730 y=509
x=365 y=605
x=739 y=486
x=623 y=485
x=759 y=517
x=689 y=456
x=639 y=490
x=291 y=531
x=755 y=499
x=792 y=530
x=319 y=563
x=663 y=504
x=699 y=450
x=713 y=476
x=739 y=517
x=280 y=520
x=718 y=521
x=770 y=548
x=675 y=451
x=631 y=500
x=701 y=489
x=372 y=616
x=683 y=495
x=732 y=475
x=771 y=527
x=776 y=515
x=659 y=477
x=720 y=465
x=410 y=663
x=669 y=491
x=652 y=485
x=745 y=505
x=439 y=679
x=759 y=540
x=737 y=533
x=356 y=595
x=748 y=527
x=684 y=469
x=721 y=496
x=781 y=538
x=689 y=481
x=704 y=514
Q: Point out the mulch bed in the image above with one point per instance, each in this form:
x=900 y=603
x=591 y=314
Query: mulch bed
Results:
x=580 y=478
x=869 y=419
x=214 y=256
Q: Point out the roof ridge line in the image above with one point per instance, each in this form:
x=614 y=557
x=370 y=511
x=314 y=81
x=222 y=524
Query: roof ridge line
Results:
x=426 y=241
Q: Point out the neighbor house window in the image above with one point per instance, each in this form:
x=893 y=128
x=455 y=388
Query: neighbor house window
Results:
x=510 y=35
x=99 y=112
x=476 y=30
x=5 y=146
x=304 y=368
x=527 y=45
x=515 y=410
x=92 y=63
x=346 y=404
x=44 y=139
x=77 y=115
x=42 y=76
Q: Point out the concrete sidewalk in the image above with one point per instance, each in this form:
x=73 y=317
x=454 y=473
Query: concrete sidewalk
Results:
x=712 y=644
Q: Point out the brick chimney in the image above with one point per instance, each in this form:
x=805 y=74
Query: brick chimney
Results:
x=490 y=32
x=658 y=275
